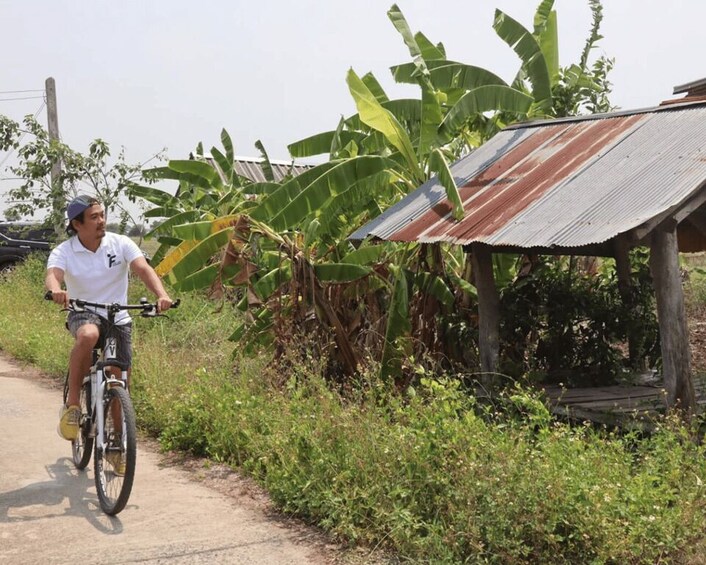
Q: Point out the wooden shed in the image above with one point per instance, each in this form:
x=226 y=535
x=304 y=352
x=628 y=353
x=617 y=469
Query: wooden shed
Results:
x=596 y=186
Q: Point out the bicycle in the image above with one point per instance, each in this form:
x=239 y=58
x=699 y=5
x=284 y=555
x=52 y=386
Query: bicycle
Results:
x=108 y=428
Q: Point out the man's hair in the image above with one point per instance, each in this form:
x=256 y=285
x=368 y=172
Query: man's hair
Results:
x=88 y=201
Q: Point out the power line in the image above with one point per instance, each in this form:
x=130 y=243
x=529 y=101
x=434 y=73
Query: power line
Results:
x=20 y=91
x=21 y=98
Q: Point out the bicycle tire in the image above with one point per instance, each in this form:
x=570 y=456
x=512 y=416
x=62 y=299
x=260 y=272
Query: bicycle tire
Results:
x=82 y=446
x=113 y=488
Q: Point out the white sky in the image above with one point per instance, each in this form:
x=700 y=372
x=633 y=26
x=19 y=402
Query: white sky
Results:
x=152 y=74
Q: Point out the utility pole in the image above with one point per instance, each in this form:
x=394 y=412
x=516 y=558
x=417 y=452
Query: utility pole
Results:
x=57 y=194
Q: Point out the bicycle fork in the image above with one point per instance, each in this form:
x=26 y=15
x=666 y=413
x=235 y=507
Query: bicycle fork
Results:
x=99 y=385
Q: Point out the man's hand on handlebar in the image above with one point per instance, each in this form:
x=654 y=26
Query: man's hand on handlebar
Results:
x=61 y=297
x=164 y=303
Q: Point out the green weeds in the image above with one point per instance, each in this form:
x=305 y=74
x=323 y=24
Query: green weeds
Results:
x=433 y=475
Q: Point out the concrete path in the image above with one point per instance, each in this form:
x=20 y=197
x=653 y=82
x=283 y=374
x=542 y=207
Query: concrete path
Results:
x=49 y=511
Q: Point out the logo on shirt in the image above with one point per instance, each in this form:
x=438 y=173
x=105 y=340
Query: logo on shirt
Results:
x=112 y=260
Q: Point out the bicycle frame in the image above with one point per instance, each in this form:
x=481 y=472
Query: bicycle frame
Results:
x=100 y=380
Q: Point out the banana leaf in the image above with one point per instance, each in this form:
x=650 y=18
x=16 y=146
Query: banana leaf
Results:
x=374 y=115
x=429 y=51
x=261 y=187
x=227 y=145
x=288 y=191
x=248 y=331
x=269 y=283
x=529 y=51
x=153 y=195
x=483 y=99
x=161 y=252
x=438 y=164
x=442 y=73
x=265 y=163
x=466 y=77
x=431 y=107
x=166 y=226
x=434 y=285
x=161 y=212
x=198 y=172
x=168 y=263
x=204 y=229
x=193 y=255
x=225 y=165
x=200 y=279
x=337 y=179
x=404 y=109
x=398 y=327
x=374 y=86
x=340 y=272
x=546 y=34
x=398 y=20
x=365 y=255
x=321 y=143
x=351 y=203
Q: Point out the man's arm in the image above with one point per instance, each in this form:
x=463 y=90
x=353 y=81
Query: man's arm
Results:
x=142 y=269
x=54 y=280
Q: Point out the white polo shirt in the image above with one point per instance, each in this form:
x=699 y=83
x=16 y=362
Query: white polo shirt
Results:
x=97 y=277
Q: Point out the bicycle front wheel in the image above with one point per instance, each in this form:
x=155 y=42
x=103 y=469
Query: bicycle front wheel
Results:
x=115 y=462
x=83 y=444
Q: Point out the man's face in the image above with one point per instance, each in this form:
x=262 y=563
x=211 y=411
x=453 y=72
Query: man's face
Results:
x=93 y=225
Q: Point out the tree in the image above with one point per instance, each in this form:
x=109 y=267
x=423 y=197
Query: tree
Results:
x=285 y=245
x=36 y=195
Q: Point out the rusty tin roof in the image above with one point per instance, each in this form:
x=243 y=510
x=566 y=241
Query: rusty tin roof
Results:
x=561 y=183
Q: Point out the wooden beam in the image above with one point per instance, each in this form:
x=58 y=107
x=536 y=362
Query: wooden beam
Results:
x=674 y=334
x=488 y=312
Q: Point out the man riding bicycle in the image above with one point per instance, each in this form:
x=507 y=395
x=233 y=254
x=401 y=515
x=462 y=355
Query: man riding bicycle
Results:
x=94 y=266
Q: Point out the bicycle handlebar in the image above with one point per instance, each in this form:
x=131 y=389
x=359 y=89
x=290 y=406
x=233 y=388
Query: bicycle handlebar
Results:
x=148 y=309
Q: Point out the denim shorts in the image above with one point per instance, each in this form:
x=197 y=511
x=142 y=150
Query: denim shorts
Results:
x=122 y=333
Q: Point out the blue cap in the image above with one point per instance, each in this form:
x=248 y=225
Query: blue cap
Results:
x=78 y=205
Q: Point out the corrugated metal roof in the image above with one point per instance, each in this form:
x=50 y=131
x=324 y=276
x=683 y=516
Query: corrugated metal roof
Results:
x=563 y=183
x=252 y=168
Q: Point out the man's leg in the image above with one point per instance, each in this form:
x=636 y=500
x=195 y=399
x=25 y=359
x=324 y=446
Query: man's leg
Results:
x=80 y=360
x=86 y=332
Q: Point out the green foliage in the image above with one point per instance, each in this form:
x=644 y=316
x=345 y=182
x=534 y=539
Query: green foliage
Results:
x=569 y=325
x=37 y=193
x=431 y=479
x=433 y=475
x=34 y=338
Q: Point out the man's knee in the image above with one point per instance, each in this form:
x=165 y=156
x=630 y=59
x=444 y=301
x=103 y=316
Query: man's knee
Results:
x=87 y=336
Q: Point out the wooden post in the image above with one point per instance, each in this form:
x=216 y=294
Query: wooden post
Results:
x=674 y=334
x=488 y=312
x=57 y=194
x=621 y=252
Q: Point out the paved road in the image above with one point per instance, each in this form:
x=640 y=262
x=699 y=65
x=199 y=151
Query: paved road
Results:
x=49 y=511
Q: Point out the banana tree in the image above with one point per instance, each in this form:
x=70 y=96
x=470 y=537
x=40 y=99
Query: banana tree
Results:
x=283 y=245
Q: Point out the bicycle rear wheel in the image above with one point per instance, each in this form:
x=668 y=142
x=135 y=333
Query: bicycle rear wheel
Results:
x=83 y=444
x=115 y=466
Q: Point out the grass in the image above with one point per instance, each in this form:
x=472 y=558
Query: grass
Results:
x=433 y=476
